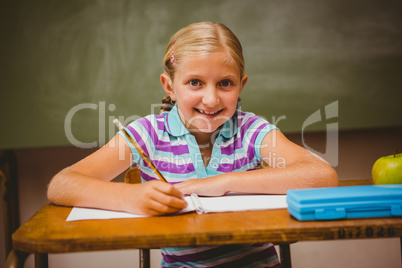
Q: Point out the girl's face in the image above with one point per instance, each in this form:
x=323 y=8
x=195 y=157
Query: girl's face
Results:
x=206 y=88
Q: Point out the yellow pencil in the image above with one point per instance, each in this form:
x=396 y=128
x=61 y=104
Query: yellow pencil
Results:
x=144 y=156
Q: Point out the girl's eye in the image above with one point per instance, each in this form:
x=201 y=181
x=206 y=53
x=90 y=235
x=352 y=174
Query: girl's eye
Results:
x=226 y=83
x=195 y=83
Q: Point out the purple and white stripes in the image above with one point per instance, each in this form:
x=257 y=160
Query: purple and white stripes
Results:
x=176 y=154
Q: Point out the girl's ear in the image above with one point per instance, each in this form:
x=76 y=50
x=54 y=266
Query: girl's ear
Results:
x=168 y=86
x=243 y=81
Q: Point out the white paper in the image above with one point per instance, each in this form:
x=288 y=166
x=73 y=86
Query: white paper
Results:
x=230 y=202
x=77 y=214
x=242 y=203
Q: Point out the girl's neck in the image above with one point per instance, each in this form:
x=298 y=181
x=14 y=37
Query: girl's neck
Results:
x=205 y=140
x=205 y=143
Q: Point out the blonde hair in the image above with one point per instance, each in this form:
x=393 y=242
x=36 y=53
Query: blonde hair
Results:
x=196 y=39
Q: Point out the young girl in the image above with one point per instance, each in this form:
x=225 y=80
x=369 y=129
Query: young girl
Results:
x=201 y=143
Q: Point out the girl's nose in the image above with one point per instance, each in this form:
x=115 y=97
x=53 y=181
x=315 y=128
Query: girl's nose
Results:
x=211 y=97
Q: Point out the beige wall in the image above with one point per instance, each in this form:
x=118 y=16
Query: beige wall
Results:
x=357 y=152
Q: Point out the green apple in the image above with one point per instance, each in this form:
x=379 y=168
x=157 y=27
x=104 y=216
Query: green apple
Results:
x=388 y=170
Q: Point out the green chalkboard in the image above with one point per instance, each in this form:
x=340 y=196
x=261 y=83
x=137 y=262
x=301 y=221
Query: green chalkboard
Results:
x=68 y=67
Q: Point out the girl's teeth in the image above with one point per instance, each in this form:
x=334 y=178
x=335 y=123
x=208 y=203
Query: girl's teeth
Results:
x=208 y=113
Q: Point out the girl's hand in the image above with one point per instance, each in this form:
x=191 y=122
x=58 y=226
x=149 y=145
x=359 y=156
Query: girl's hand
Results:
x=154 y=198
x=211 y=186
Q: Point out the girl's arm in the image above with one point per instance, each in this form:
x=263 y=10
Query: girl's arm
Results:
x=291 y=167
x=88 y=184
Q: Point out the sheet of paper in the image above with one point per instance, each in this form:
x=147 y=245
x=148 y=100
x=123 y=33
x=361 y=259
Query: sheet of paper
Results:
x=231 y=202
x=78 y=214
x=239 y=202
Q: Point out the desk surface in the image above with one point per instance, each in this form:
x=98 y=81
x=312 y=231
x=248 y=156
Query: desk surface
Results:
x=48 y=232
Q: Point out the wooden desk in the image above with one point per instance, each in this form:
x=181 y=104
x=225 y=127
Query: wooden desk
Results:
x=48 y=232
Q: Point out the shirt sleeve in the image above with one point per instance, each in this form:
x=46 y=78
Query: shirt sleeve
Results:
x=258 y=142
x=255 y=129
x=140 y=135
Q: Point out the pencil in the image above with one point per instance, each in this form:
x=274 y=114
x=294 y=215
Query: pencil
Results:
x=144 y=156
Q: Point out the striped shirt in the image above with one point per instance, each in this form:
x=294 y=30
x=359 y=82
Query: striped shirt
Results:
x=176 y=154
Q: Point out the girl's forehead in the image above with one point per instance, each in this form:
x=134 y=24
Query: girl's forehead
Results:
x=212 y=61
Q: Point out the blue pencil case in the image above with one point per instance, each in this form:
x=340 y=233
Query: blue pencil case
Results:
x=333 y=203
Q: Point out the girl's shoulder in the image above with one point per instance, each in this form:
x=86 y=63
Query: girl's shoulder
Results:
x=251 y=124
x=247 y=118
x=152 y=121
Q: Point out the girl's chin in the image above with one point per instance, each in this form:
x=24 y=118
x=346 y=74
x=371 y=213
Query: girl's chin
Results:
x=202 y=125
